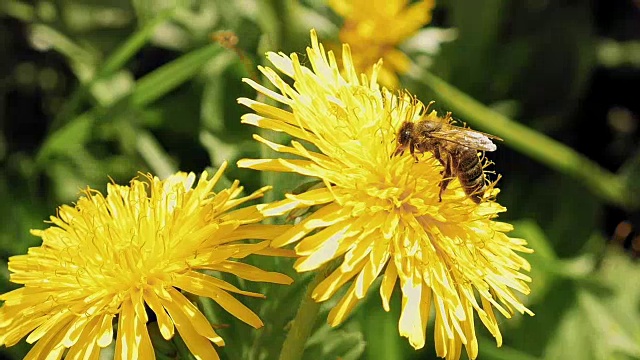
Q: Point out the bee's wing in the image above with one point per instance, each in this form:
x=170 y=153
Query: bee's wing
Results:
x=467 y=137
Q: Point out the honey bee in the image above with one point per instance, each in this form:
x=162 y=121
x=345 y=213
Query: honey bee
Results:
x=456 y=148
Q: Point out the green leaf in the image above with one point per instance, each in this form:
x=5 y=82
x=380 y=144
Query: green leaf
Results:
x=477 y=24
x=70 y=138
x=613 y=335
x=82 y=60
x=572 y=339
x=20 y=203
x=111 y=65
x=487 y=350
x=331 y=343
x=277 y=313
x=531 y=193
x=133 y=44
x=147 y=90
x=18 y=9
x=167 y=77
x=380 y=328
x=602 y=325
x=619 y=272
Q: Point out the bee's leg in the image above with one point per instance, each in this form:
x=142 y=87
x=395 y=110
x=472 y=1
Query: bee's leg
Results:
x=438 y=156
x=412 y=148
x=447 y=175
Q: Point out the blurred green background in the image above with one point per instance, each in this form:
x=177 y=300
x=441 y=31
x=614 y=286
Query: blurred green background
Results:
x=100 y=89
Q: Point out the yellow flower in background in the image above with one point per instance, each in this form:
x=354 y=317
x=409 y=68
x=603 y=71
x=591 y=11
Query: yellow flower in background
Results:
x=375 y=28
x=381 y=215
x=136 y=247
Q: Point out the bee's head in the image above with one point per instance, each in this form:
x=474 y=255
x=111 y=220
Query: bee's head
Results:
x=405 y=133
x=404 y=137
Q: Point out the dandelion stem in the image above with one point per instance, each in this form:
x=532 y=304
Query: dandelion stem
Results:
x=534 y=144
x=302 y=324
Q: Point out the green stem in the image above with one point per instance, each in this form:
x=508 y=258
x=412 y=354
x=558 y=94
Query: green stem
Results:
x=293 y=346
x=536 y=145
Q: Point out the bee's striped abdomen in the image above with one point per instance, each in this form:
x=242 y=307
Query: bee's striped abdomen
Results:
x=470 y=174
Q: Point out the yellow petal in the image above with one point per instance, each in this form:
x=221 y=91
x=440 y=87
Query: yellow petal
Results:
x=50 y=346
x=270 y=251
x=327 y=238
x=195 y=317
x=388 y=283
x=270 y=93
x=410 y=323
x=75 y=330
x=312 y=197
x=329 y=286
x=277 y=147
x=87 y=346
x=303 y=167
x=470 y=332
x=281 y=62
x=62 y=316
x=278 y=207
x=251 y=273
x=325 y=216
x=277 y=125
x=255 y=231
x=194 y=282
x=127 y=342
x=268 y=110
x=104 y=335
x=231 y=305
x=370 y=271
x=199 y=346
x=343 y=308
x=165 y=324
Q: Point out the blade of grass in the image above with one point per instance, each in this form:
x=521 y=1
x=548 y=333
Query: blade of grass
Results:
x=18 y=10
x=113 y=63
x=169 y=76
x=148 y=89
x=82 y=60
x=154 y=155
x=531 y=143
x=133 y=44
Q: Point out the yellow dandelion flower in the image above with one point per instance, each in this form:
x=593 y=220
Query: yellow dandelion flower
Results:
x=136 y=247
x=375 y=28
x=381 y=215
